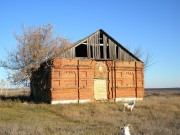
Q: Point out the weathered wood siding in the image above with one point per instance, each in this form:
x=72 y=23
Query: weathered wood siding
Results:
x=99 y=46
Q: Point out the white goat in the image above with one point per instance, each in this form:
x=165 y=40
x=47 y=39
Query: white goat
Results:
x=125 y=130
x=129 y=106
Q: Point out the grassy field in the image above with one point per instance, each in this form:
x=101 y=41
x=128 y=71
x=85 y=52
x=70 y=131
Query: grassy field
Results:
x=157 y=114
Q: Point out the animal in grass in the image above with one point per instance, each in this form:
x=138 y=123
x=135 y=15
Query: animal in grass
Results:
x=129 y=106
x=125 y=130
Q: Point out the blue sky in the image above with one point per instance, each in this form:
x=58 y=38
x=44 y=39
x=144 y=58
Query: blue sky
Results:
x=152 y=24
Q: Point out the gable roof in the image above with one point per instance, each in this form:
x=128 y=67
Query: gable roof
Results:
x=70 y=52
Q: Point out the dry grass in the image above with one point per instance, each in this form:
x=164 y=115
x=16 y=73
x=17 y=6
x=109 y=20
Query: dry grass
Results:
x=159 y=113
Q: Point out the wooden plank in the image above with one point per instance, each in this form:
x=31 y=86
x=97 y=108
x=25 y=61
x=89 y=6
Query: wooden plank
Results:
x=115 y=57
x=92 y=42
x=96 y=38
x=98 y=45
x=127 y=56
x=95 y=50
x=88 y=49
x=119 y=53
x=112 y=52
x=73 y=49
x=109 y=42
x=104 y=47
x=94 y=46
x=112 y=48
x=123 y=55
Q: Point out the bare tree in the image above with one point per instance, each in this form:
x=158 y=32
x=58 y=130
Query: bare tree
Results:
x=35 y=45
x=146 y=57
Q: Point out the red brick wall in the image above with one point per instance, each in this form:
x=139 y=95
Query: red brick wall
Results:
x=73 y=79
x=129 y=80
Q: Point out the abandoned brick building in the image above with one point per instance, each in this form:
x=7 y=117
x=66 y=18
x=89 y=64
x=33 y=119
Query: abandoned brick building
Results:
x=94 y=68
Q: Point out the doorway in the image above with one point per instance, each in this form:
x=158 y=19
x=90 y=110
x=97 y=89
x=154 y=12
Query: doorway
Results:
x=100 y=81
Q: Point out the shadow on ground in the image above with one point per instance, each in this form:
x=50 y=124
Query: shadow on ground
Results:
x=23 y=98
